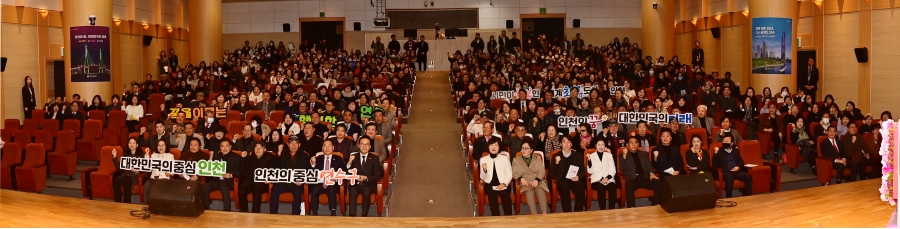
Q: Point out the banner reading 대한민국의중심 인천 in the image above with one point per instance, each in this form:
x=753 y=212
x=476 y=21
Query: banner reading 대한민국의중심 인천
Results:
x=89 y=54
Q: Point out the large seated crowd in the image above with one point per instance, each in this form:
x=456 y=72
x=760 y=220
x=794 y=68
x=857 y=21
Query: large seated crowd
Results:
x=519 y=153
x=264 y=106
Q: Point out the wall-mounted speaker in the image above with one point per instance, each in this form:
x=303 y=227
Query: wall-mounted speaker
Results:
x=147 y=40
x=2 y=64
x=509 y=24
x=286 y=27
x=357 y=26
x=862 y=55
x=576 y=23
x=716 y=32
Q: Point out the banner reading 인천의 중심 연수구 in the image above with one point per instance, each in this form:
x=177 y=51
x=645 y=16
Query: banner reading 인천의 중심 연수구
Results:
x=89 y=54
x=772 y=45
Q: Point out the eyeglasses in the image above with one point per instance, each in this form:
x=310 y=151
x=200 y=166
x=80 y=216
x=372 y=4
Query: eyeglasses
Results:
x=524 y=148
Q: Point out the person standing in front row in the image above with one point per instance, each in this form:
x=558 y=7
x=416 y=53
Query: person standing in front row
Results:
x=422 y=53
x=28 y=101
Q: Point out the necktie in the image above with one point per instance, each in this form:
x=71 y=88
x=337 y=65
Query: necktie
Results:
x=808 y=75
x=327 y=166
x=363 y=160
x=835 y=146
x=645 y=145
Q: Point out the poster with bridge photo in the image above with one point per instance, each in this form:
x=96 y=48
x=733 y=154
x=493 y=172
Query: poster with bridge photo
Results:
x=90 y=54
x=772 y=44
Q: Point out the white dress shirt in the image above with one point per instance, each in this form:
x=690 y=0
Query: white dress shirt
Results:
x=161 y=156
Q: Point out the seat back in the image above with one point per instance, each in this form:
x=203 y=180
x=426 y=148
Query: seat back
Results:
x=65 y=142
x=106 y=165
x=251 y=113
x=812 y=128
x=819 y=144
x=22 y=137
x=690 y=132
x=176 y=153
x=234 y=127
x=5 y=134
x=497 y=103
x=12 y=155
x=44 y=137
x=50 y=125
x=111 y=137
x=97 y=115
x=116 y=119
x=31 y=125
x=233 y=115
x=73 y=126
x=93 y=129
x=38 y=114
x=277 y=116
x=155 y=100
x=750 y=152
x=34 y=156
x=11 y=124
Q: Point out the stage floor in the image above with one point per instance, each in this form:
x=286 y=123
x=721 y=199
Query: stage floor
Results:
x=852 y=205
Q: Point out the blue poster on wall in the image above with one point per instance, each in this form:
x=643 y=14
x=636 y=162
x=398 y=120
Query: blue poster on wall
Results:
x=90 y=54
x=772 y=44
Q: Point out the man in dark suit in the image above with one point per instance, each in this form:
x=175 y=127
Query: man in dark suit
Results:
x=410 y=45
x=265 y=105
x=74 y=112
x=729 y=159
x=244 y=142
x=481 y=143
x=370 y=171
x=160 y=134
x=513 y=43
x=502 y=41
x=477 y=44
x=292 y=159
x=310 y=142
x=225 y=183
x=521 y=101
x=250 y=163
x=638 y=171
x=697 y=55
x=809 y=83
x=173 y=59
x=394 y=45
x=325 y=161
x=612 y=135
x=421 y=53
x=702 y=120
x=577 y=44
x=834 y=151
x=646 y=140
x=209 y=123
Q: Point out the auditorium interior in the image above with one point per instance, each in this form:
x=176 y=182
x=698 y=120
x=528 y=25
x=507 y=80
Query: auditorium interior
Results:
x=540 y=113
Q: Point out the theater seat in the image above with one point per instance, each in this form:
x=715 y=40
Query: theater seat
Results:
x=44 y=137
x=38 y=114
x=762 y=174
x=690 y=132
x=277 y=116
x=252 y=113
x=323 y=199
x=64 y=159
x=23 y=137
x=31 y=125
x=792 y=151
x=217 y=194
x=89 y=145
x=97 y=115
x=5 y=134
x=116 y=120
x=102 y=178
x=12 y=157
x=824 y=167
x=31 y=176
x=638 y=193
x=74 y=126
x=591 y=193
x=11 y=124
x=50 y=125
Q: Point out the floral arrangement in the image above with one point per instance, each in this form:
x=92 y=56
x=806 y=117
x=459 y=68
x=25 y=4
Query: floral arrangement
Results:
x=888 y=146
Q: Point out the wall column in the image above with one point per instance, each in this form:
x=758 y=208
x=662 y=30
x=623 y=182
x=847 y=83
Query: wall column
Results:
x=205 y=30
x=76 y=13
x=658 y=28
x=778 y=9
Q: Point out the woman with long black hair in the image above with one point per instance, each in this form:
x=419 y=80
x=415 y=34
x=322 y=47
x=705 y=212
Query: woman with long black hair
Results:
x=125 y=180
x=28 y=101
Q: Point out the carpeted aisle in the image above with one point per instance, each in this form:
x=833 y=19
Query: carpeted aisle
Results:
x=431 y=165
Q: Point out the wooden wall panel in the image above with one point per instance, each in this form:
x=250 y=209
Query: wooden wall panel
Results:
x=841 y=6
x=20 y=45
x=131 y=61
x=841 y=69
x=733 y=56
x=884 y=56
